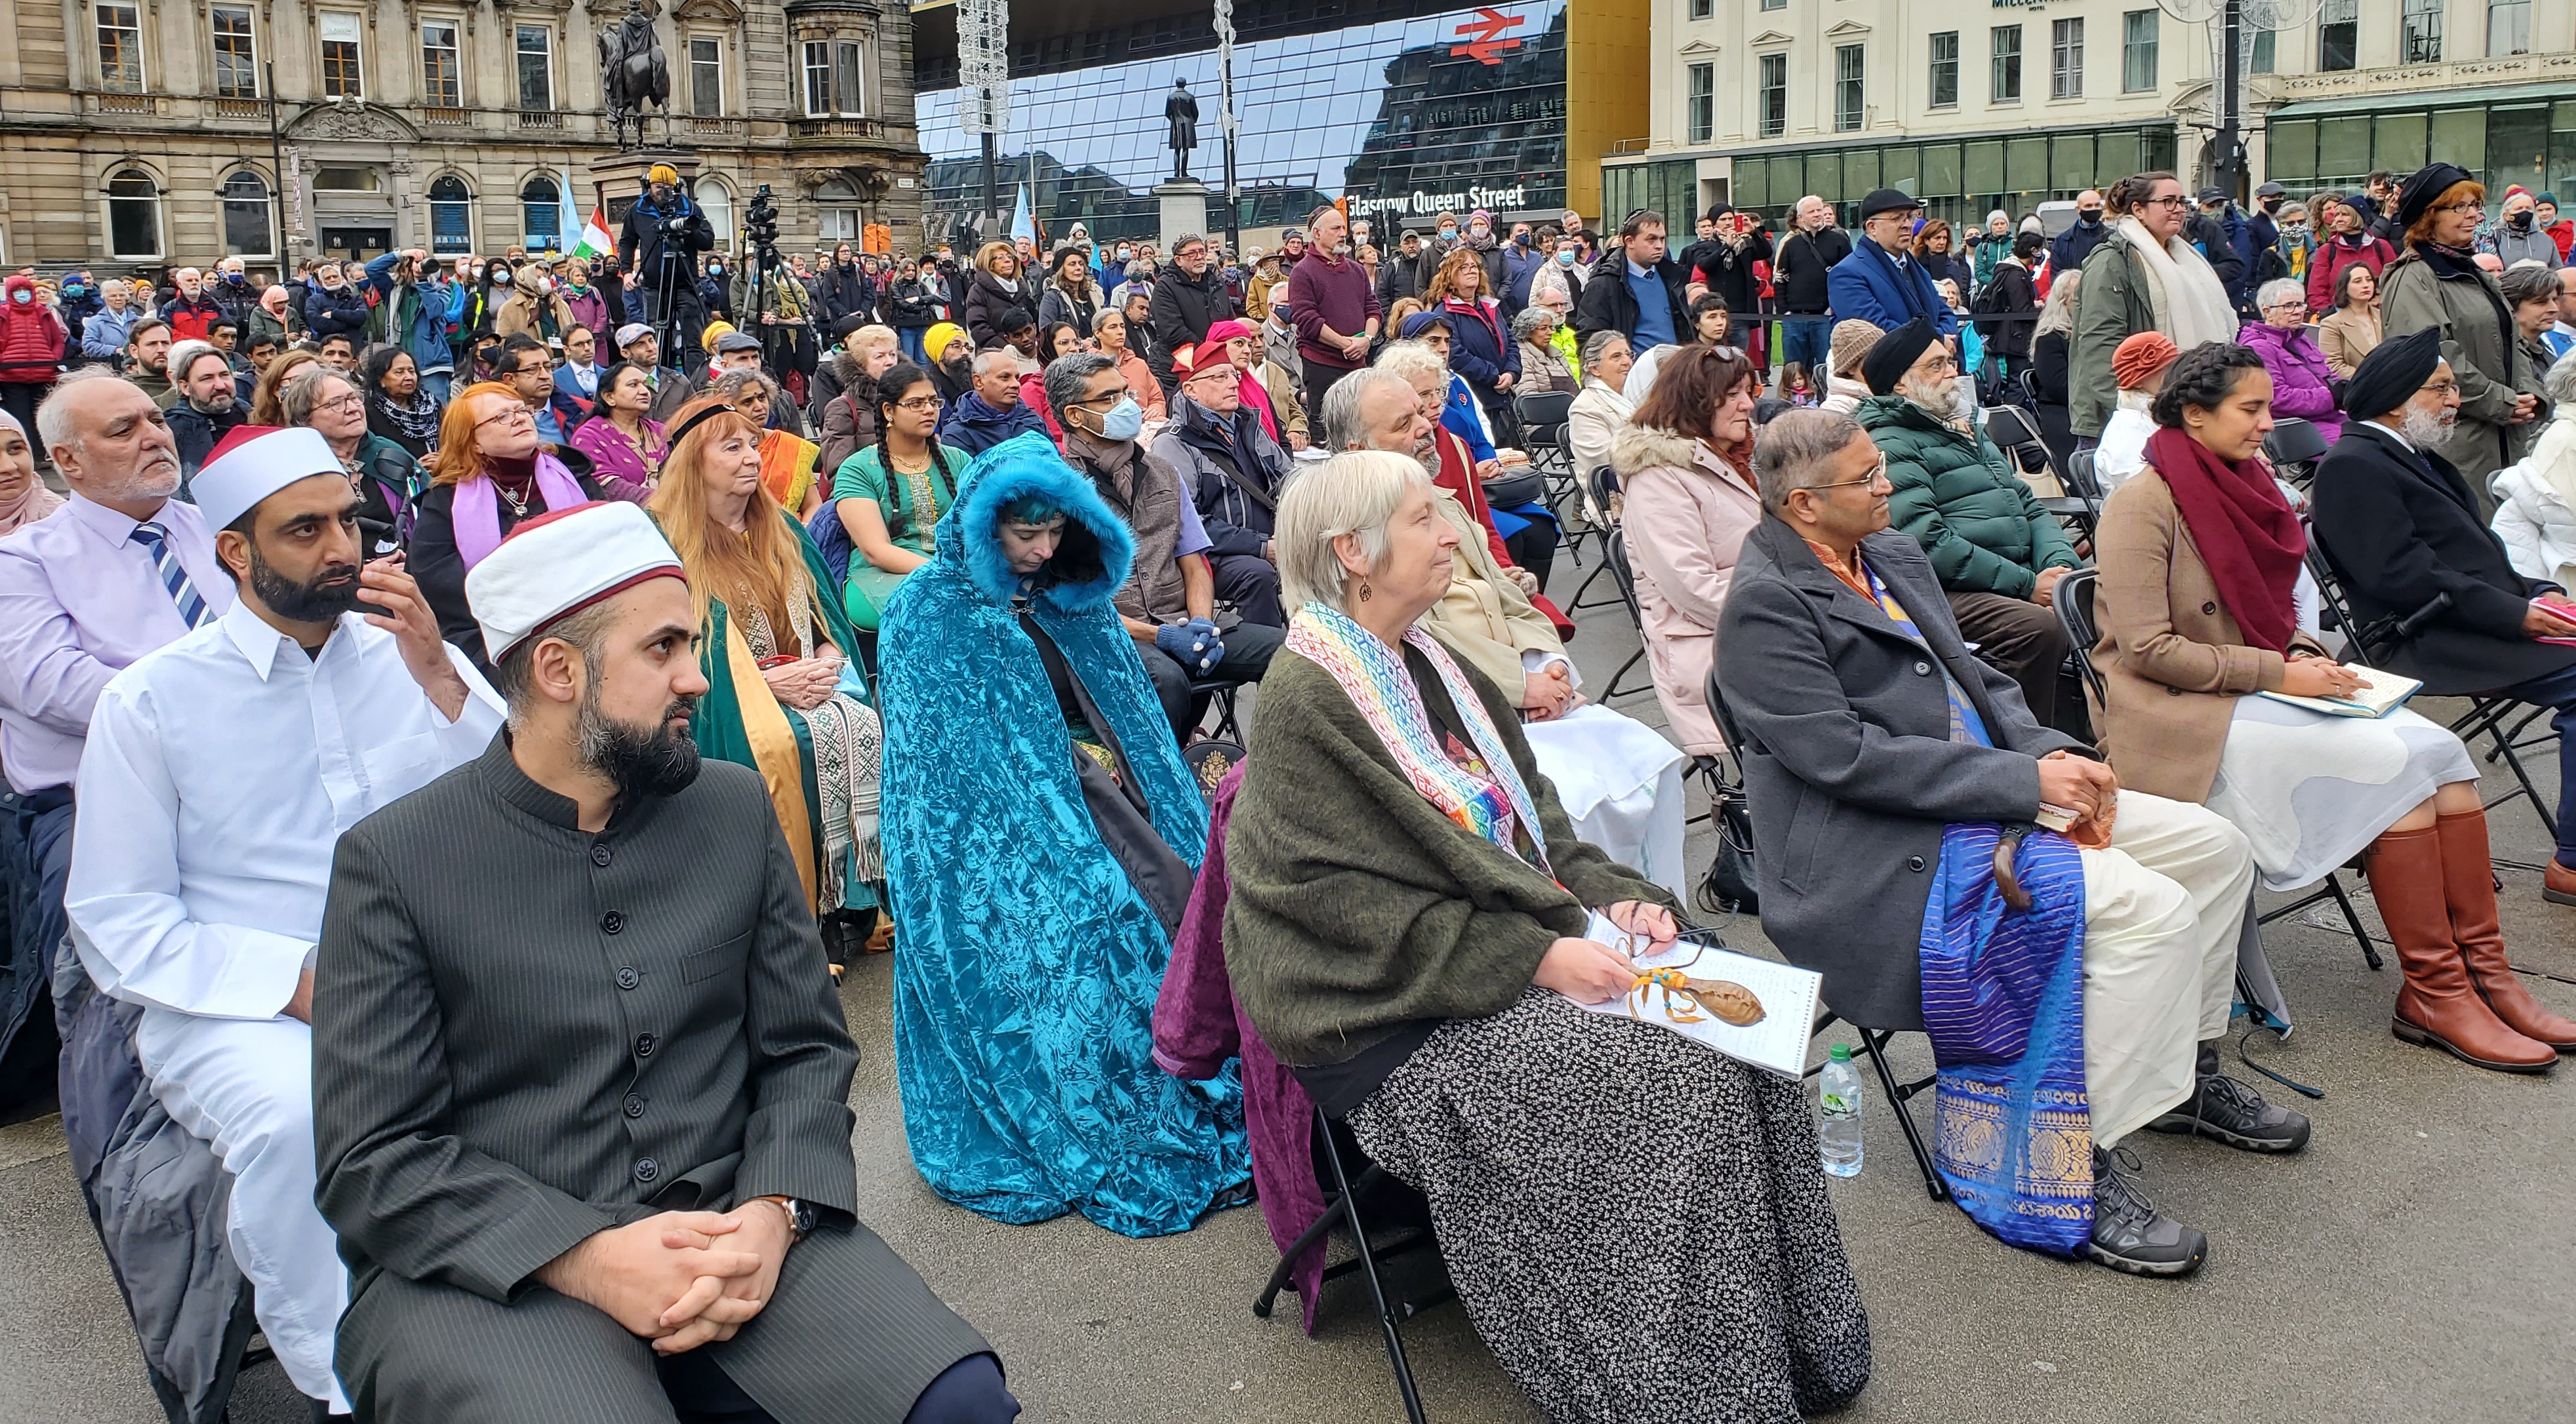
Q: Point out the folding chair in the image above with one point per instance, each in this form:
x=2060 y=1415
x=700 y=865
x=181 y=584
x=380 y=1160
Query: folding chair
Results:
x=2074 y=603
x=1220 y=691
x=1600 y=484
x=1343 y=1193
x=1543 y=415
x=2499 y=718
x=2010 y=428
x=1615 y=559
x=1873 y=1041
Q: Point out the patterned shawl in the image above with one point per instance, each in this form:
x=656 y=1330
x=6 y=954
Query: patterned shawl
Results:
x=1374 y=676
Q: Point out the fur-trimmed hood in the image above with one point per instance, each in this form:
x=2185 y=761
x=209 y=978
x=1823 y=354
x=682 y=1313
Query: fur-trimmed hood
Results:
x=1635 y=448
x=1089 y=567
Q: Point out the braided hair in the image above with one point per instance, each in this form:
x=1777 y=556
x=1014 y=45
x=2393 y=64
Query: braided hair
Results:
x=900 y=377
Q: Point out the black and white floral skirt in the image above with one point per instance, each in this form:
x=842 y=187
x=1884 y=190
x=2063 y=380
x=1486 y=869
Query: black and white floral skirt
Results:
x=1636 y=1225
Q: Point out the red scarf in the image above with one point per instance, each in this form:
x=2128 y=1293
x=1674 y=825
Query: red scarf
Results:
x=2244 y=529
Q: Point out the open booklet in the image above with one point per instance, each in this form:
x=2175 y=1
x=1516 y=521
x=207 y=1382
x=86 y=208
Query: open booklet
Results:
x=1755 y=1011
x=2380 y=694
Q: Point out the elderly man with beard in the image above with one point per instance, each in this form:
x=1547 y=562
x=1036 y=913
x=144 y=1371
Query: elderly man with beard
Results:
x=208 y=406
x=581 y=1080
x=2402 y=531
x=220 y=771
x=1997 y=553
x=121 y=570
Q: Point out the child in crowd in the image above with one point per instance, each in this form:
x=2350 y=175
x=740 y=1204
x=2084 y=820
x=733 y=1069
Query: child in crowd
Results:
x=1796 y=387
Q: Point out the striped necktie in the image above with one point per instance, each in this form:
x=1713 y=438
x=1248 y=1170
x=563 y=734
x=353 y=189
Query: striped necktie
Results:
x=192 y=605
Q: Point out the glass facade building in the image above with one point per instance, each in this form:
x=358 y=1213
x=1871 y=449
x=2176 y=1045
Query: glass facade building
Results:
x=2525 y=136
x=1405 y=114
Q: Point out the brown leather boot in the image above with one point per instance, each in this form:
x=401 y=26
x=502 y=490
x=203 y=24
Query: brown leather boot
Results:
x=2468 y=887
x=2437 y=1005
x=2558 y=883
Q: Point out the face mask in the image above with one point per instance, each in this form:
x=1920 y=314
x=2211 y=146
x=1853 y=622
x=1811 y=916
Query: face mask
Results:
x=715 y=269
x=1565 y=259
x=2294 y=229
x=1520 y=239
x=75 y=291
x=1125 y=420
x=545 y=286
x=1447 y=232
x=2521 y=221
x=1124 y=255
x=235 y=278
x=2090 y=215
x=22 y=297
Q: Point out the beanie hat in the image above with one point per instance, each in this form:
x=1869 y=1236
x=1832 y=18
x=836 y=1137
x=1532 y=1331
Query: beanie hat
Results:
x=1851 y=341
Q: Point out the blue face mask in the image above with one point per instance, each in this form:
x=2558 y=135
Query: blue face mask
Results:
x=75 y=291
x=23 y=296
x=1125 y=420
x=1565 y=259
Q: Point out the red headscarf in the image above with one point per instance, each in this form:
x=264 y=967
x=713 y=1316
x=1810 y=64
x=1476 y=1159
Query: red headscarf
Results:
x=2245 y=531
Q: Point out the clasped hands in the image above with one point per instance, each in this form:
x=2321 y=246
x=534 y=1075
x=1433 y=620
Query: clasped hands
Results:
x=1590 y=972
x=1195 y=645
x=2078 y=784
x=680 y=1278
x=1548 y=695
x=804 y=683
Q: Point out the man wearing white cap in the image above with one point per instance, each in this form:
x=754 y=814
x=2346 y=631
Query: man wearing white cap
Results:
x=219 y=773
x=639 y=344
x=581 y=1081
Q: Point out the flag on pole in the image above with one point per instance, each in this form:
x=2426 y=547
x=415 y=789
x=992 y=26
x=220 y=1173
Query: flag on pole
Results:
x=1023 y=222
x=595 y=241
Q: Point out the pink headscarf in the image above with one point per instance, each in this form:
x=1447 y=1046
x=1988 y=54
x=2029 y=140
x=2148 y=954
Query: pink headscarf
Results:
x=35 y=501
x=1255 y=394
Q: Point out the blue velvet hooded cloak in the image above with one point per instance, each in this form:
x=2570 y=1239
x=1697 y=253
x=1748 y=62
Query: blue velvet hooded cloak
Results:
x=1026 y=965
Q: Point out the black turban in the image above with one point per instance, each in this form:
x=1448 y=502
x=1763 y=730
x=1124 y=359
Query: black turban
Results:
x=2425 y=188
x=2392 y=373
x=1894 y=355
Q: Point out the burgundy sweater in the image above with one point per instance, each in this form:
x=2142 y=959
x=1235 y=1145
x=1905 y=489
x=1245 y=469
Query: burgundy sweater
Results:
x=1329 y=294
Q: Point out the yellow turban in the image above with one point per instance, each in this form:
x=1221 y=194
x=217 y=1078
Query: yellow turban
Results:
x=934 y=342
x=662 y=173
x=716 y=331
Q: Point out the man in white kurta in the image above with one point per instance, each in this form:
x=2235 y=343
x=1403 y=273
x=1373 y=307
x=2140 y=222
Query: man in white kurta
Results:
x=219 y=773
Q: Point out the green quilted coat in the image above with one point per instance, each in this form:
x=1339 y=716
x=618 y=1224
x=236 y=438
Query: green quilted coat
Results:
x=1958 y=496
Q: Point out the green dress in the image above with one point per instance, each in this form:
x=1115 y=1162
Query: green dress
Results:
x=911 y=506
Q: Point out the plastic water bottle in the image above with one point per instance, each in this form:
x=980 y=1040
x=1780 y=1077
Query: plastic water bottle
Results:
x=1838 y=1098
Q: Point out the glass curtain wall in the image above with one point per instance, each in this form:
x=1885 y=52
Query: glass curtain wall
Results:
x=2531 y=142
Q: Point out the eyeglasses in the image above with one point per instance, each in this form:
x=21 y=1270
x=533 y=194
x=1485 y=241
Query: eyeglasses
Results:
x=1939 y=360
x=350 y=401
x=517 y=415
x=2468 y=205
x=918 y=403
x=2176 y=202
x=1877 y=473
x=1104 y=398
x=2444 y=389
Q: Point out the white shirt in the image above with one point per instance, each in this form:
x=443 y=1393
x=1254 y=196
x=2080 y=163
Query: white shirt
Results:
x=219 y=774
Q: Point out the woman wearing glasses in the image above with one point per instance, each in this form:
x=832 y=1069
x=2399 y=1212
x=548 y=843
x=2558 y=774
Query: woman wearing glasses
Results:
x=2142 y=277
x=385 y=475
x=890 y=496
x=491 y=472
x=2303 y=385
x=2437 y=282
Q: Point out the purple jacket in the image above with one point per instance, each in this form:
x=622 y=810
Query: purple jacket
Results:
x=2302 y=383
x=1197 y=1027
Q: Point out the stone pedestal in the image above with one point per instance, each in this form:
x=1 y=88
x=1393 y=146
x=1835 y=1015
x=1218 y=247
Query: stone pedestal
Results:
x=617 y=180
x=1185 y=209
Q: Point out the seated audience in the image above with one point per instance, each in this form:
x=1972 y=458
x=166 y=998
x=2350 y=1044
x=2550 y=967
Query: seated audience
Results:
x=1601 y=409
x=952 y=359
x=386 y=479
x=1014 y=704
x=1453 y=464
x=2536 y=496
x=264 y=407
x=1115 y=338
x=490 y=472
x=890 y=496
x=776 y=646
x=576 y=392
x=1996 y=552
x=1685 y=466
x=399 y=407
x=1169 y=597
x=2139 y=365
x=2397 y=522
x=844 y=417
x=2303 y=384
x=2349 y=331
x=524 y=366
x=220 y=771
x=639 y=345
x=1528 y=529
x=1233 y=471
x=2199 y=555
x=624 y=443
x=1269 y=388
x=1844 y=388
x=789 y=467
x=205 y=411
x=526 y=1189
x=1543 y=368
x=1457 y=1050
x=992 y=411
x=23 y=496
x=2133 y=916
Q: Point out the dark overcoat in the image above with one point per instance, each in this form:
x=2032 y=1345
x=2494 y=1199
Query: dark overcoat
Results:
x=1849 y=769
x=2400 y=527
x=524 y=1034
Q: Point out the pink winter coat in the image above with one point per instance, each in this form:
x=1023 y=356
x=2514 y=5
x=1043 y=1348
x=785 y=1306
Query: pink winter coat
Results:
x=1687 y=514
x=2302 y=383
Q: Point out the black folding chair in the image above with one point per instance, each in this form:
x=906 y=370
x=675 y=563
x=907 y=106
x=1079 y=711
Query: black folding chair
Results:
x=1220 y=692
x=2010 y=427
x=1615 y=559
x=1600 y=485
x=1873 y=1041
x=2073 y=600
x=1343 y=1195
x=2502 y=720
x=1543 y=415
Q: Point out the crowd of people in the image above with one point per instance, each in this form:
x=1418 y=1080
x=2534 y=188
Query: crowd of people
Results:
x=467 y=739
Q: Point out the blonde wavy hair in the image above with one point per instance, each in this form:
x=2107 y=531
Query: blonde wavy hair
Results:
x=765 y=561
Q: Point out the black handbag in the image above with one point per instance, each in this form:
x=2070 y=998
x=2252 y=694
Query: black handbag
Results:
x=1512 y=491
x=1728 y=885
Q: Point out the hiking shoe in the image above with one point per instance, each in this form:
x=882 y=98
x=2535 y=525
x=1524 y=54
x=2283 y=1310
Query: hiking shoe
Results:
x=2222 y=1108
x=2129 y=1234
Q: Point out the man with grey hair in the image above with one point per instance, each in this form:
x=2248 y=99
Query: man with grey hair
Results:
x=1169 y=601
x=190 y=306
x=208 y=406
x=1800 y=268
x=1858 y=707
x=123 y=569
x=991 y=411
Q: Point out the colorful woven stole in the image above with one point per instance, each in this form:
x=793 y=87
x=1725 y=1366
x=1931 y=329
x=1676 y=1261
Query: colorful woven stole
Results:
x=1374 y=676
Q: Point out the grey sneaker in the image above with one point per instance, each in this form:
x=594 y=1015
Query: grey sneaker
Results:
x=2129 y=1234
x=2222 y=1108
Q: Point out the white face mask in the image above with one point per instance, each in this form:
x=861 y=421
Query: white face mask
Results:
x=545 y=286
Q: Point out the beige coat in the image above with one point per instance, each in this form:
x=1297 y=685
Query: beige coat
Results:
x=1687 y=514
x=2171 y=655
x=1485 y=618
x=2347 y=336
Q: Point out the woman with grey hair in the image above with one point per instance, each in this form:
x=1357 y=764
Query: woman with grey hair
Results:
x=2303 y=385
x=2536 y=496
x=788 y=462
x=1543 y=368
x=386 y=477
x=1459 y=1052
x=1600 y=408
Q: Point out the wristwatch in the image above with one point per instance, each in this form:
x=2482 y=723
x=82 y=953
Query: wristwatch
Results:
x=800 y=1217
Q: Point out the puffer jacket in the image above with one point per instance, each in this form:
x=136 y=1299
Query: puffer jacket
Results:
x=2492 y=365
x=2326 y=265
x=31 y=334
x=2536 y=505
x=1183 y=310
x=1957 y=495
x=335 y=311
x=189 y=317
x=105 y=334
x=2302 y=384
x=1687 y=513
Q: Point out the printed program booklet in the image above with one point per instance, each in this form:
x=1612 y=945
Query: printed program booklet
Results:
x=2381 y=693
x=1755 y=1011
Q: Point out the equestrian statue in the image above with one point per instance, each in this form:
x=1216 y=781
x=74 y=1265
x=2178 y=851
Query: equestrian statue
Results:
x=632 y=69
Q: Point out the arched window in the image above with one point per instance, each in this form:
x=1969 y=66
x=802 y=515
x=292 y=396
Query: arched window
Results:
x=246 y=216
x=133 y=214
x=541 y=208
x=836 y=204
x=451 y=216
x=718 y=205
